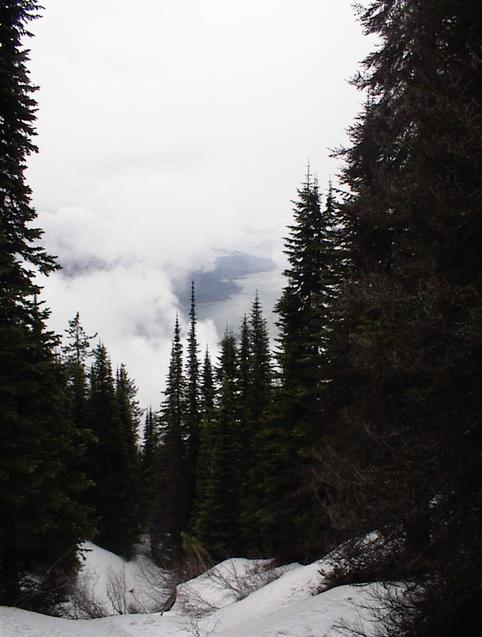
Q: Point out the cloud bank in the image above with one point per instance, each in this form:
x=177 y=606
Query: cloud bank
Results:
x=167 y=131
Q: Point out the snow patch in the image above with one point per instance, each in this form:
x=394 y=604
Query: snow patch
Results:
x=109 y=585
x=242 y=598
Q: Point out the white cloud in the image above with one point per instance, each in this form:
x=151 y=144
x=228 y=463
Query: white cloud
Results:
x=168 y=130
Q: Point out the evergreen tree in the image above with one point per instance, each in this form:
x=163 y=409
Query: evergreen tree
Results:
x=41 y=521
x=130 y=479
x=129 y=413
x=293 y=429
x=259 y=393
x=78 y=348
x=303 y=310
x=150 y=479
x=173 y=507
x=208 y=391
x=407 y=456
x=150 y=441
x=246 y=427
x=218 y=515
x=204 y=467
x=260 y=364
x=193 y=407
x=75 y=355
x=244 y=356
x=109 y=461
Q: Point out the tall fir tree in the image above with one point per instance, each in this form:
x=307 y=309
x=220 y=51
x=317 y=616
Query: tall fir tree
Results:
x=41 y=519
x=193 y=404
x=303 y=310
x=216 y=524
x=76 y=352
x=150 y=481
x=295 y=423
x=406 y=398
x=150 y=438
x=208 y=390
x=261 y=373
x=258 y=400
x=130 y=478
x=204 y=466
x=109 y=458
x=245 y=425
x=173 y=498
x=244 y=356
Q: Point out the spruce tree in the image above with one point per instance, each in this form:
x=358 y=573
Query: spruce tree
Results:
x=295 y=423
x=150 y=480
x=303 y=311
x=260 y=364
x=246 y=426
x=259 y=394
x=407 y=395
x=208 y=391
x=173 y=498
x=150 y=439
x=75 y=354
x=78 y=348
x=193 y=406
x=204 y=467
x=130 y=478
x=110 y=459
x=41 y=519
x=218 y=515
x=244 y=356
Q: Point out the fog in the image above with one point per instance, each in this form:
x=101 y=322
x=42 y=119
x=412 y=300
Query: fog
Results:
x=171 y=129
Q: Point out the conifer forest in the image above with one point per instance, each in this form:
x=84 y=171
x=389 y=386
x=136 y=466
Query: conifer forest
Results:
x=363 y=419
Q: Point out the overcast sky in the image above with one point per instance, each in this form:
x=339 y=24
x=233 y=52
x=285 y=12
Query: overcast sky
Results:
x=168 y=129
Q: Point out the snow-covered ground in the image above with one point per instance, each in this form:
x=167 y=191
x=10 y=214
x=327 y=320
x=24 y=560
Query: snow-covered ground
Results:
x=238 y=598
x=115 y=586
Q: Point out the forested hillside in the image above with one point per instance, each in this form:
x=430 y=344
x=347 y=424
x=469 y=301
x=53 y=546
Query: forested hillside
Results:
x=364 y=417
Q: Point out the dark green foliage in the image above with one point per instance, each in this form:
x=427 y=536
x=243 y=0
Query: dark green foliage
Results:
x=246 y=430
x=129 y=482
x=150 y=475
x=228 y=485
x=78 y=348
x=175 y=474
x=193 y=404
x=408 y=355
x=303 y=310
x=244 y=369
x=218 y=513
x=19 y=249
x=208 y=391
x=207 y=433
x=112 y=460
x=41 y=522
x=286 y=442
x=75 y=355
x=261 y=375
x=104 y=460
x=107 y=416
x=256 y=403
x=150 y=446
x=173 y=498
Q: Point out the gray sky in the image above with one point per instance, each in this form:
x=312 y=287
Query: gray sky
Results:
x=172 y=128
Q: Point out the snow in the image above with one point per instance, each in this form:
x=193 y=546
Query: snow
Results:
x=224 y=584
x=237 y=598
x=118 y=585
